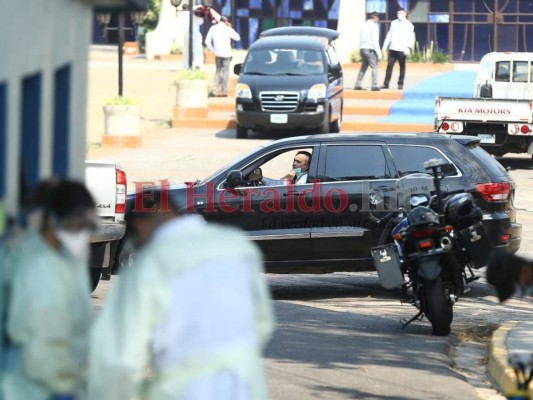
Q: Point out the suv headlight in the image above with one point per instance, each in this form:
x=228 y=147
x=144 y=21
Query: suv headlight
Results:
x=242 y=91
x=317 y=91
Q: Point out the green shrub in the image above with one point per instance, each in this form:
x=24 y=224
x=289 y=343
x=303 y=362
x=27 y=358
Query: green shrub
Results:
x=355 y=57
x=150 y=21
x=192 y=74
x=416 y=55
x=176 y=49
x=439 y=57
x=121 y=101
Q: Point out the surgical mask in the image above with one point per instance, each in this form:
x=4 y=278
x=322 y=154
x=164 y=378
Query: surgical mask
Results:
x=401 y=17
x=298 y=171
x=76 y=243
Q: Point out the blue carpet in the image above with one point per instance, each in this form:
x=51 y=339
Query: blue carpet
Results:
x=418 y=103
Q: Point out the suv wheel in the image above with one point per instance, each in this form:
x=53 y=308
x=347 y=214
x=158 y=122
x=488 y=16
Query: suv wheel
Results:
x=242 y=133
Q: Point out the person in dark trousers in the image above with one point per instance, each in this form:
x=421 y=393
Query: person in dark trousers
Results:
x=218 y=40
x=511 y=275
x=370 y=51
x=399 y=41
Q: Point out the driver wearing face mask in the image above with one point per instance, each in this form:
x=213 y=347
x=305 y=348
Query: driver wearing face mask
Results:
x=49 y=308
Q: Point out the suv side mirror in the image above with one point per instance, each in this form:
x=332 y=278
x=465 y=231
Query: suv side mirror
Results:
x=335 y=69
x=237 y=68
x=448 y=170
x=233 y=179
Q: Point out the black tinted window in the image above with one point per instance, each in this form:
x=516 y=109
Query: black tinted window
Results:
x=488 y=163
x=411 y=159
x=347 y=163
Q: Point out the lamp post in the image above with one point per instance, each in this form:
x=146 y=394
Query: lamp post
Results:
x=190 y=8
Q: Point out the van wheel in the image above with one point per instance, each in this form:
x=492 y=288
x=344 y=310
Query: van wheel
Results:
x=242 y=132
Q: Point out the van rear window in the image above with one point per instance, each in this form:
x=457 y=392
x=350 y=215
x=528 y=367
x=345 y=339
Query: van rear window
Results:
x=488 y=163
x=503 y=71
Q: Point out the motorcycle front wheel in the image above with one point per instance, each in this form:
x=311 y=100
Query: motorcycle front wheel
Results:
x=436 y=306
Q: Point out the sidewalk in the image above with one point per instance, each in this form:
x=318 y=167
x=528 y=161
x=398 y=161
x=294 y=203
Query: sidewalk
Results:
x=513 y=338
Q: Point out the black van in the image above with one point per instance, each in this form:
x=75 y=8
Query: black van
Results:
x=291 y=79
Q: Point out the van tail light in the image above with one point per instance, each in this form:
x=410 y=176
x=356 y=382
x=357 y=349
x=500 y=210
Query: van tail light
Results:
x=120 y=203
x=498 y=191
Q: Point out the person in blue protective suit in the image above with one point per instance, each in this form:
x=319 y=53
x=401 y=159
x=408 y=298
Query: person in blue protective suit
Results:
x=49 y=309
x=194 y=309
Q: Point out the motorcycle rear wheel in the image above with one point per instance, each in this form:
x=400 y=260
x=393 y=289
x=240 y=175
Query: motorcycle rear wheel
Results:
x=436 y=306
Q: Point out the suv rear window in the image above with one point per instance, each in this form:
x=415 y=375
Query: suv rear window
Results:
x=356 y=162
x=488 y=163
x=411 y=159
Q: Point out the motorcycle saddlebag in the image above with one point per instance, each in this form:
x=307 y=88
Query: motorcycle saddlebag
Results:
x=475 y=240
x=387 y=264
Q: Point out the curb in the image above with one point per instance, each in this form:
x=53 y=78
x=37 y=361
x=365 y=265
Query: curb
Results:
x=499 y=368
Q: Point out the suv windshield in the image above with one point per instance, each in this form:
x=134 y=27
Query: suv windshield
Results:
x=284 y=62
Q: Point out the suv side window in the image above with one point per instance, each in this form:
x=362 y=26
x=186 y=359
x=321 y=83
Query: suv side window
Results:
x=355 y=162
x=410 y=159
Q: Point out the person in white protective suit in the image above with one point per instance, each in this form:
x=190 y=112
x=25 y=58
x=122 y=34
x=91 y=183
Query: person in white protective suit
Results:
x=49 y=307
x=194 y=308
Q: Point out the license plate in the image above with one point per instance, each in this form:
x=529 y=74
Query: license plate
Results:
x=487 y=137
x=279 y=118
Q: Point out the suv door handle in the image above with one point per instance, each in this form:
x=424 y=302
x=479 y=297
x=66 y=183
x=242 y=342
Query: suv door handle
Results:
x=293 y=194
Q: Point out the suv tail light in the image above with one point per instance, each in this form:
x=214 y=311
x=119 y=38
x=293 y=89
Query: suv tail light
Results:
x=498 y=191
x=120 y=203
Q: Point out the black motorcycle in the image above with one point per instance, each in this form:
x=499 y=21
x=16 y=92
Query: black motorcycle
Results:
x=435 y=241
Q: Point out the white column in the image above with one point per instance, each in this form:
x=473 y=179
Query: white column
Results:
x=351 y=15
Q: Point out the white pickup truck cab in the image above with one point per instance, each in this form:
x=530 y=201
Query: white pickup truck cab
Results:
x=501 y=111
x=107 y=183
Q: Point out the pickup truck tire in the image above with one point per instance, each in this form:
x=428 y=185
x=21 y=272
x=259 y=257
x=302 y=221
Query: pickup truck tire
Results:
x=242 y=132
x=95 y=274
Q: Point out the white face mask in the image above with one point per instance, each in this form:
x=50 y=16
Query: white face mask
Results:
x=401 y=17
x=76 y=243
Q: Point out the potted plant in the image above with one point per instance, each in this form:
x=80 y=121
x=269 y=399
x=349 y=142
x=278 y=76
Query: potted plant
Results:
x=122 y=122
x=192 y=89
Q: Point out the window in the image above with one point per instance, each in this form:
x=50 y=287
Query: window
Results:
x=61 y=122
x=332 y=56
x=30 y=135
x=520 y=71
x=358 y=162
x=411 y=159
x=531 y=72
x=503 y=71
x=3 y=136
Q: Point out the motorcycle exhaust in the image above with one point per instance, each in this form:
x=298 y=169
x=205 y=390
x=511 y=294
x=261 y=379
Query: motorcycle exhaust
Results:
x=446 y=243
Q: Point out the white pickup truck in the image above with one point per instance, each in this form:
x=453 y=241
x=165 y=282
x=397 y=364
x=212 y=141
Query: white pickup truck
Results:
x=501 y=111
x=107 y=183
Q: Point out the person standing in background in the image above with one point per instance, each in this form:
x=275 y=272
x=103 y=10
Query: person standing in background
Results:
x=370 y=51
x=218 y=40
x=400 y=41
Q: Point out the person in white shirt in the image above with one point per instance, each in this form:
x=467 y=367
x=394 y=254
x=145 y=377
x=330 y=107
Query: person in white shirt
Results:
x=370 y=51
x=218 y=40
x=399 y=41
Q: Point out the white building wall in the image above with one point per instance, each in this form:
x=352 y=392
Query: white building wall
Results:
x=40 y=36
x=352 y=15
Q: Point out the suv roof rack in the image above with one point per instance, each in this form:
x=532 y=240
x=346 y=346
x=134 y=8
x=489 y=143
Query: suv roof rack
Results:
x=327 y=33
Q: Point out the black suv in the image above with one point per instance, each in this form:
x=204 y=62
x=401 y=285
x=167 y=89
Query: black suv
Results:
x=291 y=78
x=330 y=223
